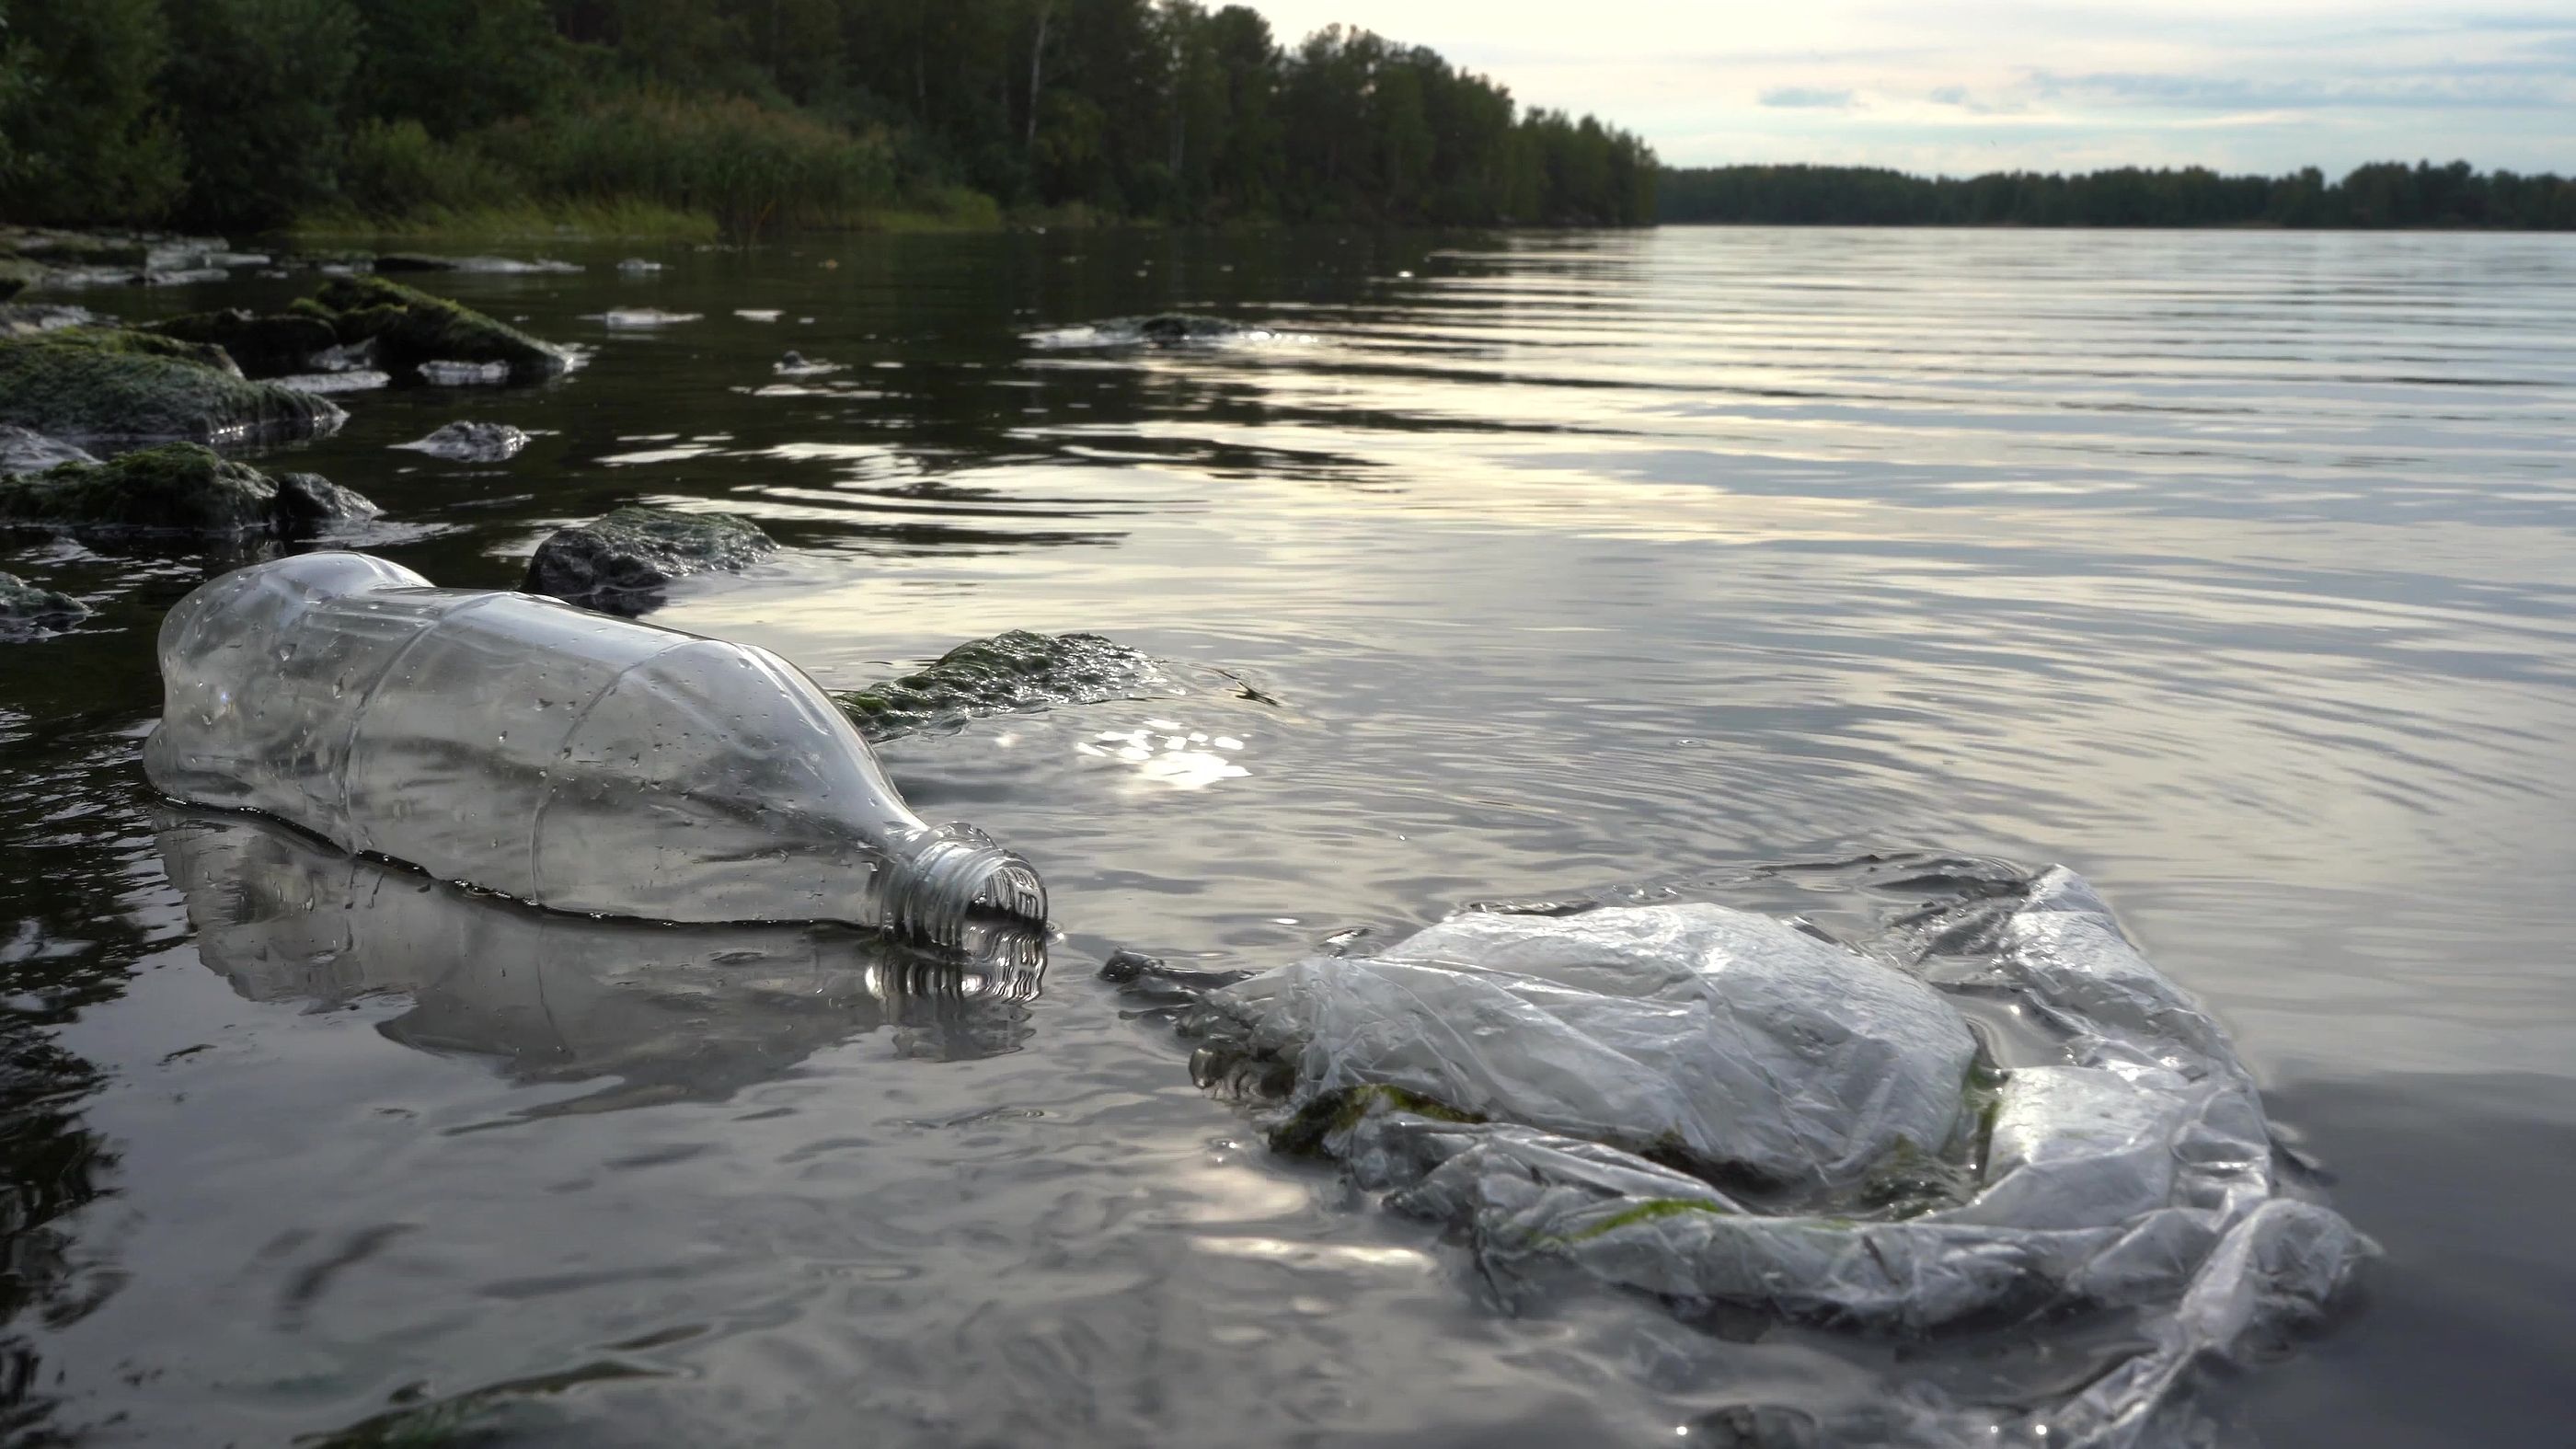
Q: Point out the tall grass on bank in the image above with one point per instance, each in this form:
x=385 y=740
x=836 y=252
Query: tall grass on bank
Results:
x=507 y=223
x=632 y=163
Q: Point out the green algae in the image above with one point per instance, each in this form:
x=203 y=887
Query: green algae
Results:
x=1336 y=1112
x=90 y=383
x=176 y=488
x=410 y=327
x=636 y=550
x=1006 y=674
x=1645 y=1212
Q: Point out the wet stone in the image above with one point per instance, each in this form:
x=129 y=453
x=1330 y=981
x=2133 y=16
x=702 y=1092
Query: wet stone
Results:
x=1174 y=327
x=507 y=266
x=443 y=373
x=24 y=451
x=412 y=328
x=28 y=611
x=18 y=318
x=620 y=563
x=1008 y=673
x=261 y=346
x=89 y=384
x=179 y=488
x=646 y=317
x=469 y=442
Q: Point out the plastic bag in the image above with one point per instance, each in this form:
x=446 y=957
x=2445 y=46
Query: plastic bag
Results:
x=1709 y=1106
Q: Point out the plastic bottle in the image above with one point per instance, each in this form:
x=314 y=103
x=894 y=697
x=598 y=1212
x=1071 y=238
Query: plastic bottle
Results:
x=570 y=759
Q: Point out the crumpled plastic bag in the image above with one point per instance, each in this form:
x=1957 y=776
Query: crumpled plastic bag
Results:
x=1713 y=1034
x=1571 y=1092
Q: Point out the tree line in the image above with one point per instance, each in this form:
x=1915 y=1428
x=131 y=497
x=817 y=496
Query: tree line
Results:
x=243 y=114
x=2383 y=194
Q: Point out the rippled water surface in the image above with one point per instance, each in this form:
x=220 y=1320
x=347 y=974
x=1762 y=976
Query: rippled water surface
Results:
x=2233 y=570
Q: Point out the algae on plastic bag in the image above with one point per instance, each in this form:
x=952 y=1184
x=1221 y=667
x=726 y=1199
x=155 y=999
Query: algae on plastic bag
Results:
x=1732 y=1115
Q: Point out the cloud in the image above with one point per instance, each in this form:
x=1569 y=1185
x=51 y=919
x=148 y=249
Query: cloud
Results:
x=1960 y=97
x=1806 y=98
x=1972 y=85
x=2457 y=88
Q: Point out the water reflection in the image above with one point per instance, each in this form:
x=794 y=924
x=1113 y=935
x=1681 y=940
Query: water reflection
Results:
x=2232 y=568
x=672 y=1013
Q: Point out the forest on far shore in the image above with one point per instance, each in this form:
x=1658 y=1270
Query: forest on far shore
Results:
x=752 y=116
x=2383 y=194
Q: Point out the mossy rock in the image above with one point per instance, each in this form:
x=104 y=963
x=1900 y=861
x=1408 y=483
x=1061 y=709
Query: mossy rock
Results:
x=28 y=612
x=271 y=346
x=24 y=450
x=179 y=488
x=17 y=319
x=1005 y=674
x=410 y=327
x=106 y=384
x=17 y=274
x=619 y=563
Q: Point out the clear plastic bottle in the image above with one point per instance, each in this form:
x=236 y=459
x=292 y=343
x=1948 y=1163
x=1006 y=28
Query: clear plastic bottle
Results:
x=566 y=758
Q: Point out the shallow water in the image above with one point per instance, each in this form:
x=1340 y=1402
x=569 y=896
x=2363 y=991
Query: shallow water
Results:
x=2233 y=570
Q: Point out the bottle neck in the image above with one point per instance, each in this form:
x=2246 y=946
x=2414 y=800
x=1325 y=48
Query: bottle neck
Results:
x=952 y=885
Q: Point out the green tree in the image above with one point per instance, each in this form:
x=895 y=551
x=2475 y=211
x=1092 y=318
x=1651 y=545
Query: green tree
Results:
x=456 y=65
x=257 y=88
x=90 y=142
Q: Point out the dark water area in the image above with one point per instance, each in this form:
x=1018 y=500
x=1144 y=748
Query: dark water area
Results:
x=2237 y=571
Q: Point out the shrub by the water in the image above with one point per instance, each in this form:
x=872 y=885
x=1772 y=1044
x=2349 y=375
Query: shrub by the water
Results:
x=396 y=168
x=753 y=168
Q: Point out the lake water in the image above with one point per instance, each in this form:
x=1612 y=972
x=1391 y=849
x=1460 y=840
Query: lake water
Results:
x=2237 y=571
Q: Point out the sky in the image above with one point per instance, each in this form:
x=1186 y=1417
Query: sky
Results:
x=1982 y=85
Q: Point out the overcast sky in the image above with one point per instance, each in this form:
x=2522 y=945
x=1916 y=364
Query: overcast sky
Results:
x=1979 y=85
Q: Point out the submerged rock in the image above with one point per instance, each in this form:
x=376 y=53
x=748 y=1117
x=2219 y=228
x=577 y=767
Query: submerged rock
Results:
x=1174 y=327
x=18 y=318
x=410 y=328
x=464 y=374
x=179 y=488
x=471 y=443
x=29 y=612
x=86 y=383
x=22 y=451
x=1169 y=329
x=646 y=317
x=18 y=274
x=261 y=346
x=323 y=384
x=1005 y=674
x=512 y=266
x=620 y=563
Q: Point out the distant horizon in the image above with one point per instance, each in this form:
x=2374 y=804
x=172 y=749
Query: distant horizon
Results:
x=2375 y=196
x=2237 y=86
x=2331 y=174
